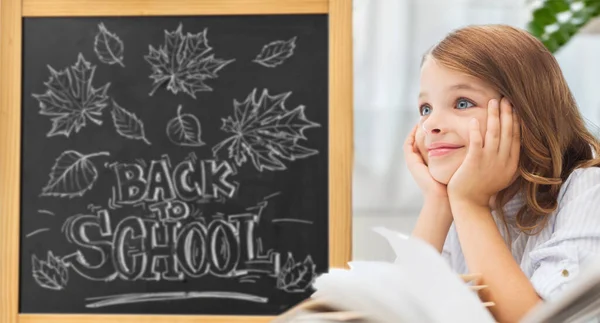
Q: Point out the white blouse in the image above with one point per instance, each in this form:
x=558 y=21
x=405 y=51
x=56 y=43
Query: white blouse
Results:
x=571 y=237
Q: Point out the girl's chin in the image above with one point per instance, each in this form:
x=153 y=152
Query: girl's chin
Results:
x=442 y=181
x=441 y=175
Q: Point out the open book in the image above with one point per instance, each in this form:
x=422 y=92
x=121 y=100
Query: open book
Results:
x=418 y=287
x=421 y=287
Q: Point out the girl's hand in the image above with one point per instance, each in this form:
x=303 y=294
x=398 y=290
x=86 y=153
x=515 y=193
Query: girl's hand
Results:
x=491 y=165
x=419 y=170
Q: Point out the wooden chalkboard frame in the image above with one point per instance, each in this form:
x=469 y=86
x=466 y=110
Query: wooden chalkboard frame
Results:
x=340 y=124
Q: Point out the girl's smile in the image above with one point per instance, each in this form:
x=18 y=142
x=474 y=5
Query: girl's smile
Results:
x=441 y=152
x=441 y=148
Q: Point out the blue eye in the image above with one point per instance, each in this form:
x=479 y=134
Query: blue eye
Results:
x=463 y=104
x=425 y=110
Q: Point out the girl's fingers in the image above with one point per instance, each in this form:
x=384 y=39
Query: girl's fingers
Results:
x=411 y=152
x=492 y=134
x=506 y=124
x=410 y=139
x=412 y=155
x=515 y=148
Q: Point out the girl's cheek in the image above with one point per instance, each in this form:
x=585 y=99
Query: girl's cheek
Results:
x=483 y=125
x=420 y=135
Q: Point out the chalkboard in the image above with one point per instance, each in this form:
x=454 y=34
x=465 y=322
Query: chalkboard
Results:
x=173 y=165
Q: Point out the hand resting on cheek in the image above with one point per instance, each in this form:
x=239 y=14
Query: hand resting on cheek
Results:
x=491 y=163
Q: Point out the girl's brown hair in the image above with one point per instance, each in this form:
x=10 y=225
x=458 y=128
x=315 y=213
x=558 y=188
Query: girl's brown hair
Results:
x=555 y=140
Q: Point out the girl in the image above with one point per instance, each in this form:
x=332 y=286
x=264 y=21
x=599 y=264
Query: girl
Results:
x=509 y=172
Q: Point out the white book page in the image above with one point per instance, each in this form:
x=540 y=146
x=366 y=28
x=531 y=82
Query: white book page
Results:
x=437 y=288
x=374 y=288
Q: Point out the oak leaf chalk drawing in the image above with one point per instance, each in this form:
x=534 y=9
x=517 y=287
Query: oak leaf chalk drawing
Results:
x=72 y=174
x=185 y=130
x=296 y=277
x=265 y=132
x=51 y=273
x=276 y=52
x=108 y=46
x=71 y=100
x=127 y=123
x=184 y=63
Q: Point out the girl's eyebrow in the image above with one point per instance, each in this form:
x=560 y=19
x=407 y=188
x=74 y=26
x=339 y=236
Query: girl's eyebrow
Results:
x=465 y=86
x=460 y=86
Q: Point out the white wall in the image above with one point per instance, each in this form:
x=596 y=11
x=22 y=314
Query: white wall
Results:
x=389 y=38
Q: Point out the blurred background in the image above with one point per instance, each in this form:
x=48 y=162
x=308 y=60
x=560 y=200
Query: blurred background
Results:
x=390 y=36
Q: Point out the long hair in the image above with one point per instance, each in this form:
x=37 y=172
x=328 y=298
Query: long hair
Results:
x=555 y=140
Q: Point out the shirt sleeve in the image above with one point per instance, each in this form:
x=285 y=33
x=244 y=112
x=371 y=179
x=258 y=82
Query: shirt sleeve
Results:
x=447 y=249
x=575 y=236
x=452 y=252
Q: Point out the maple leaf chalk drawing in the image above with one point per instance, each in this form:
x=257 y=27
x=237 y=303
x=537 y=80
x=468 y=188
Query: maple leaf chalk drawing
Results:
x=51 y=273
x=265 y=132
x=128 y=124
x=71 y=100
x=296 y=277
x=185 y=130
x=108 y=46
x=184 y=62
x=72 y=174
x=276 y=52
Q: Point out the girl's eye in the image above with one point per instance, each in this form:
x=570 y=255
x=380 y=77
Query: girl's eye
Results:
x=425 y=110
x=463 y=104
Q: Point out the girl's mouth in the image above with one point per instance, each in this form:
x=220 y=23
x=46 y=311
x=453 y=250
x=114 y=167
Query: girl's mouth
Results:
x=442 y=151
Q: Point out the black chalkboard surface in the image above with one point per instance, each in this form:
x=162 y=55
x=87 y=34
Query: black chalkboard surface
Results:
x=173 y=165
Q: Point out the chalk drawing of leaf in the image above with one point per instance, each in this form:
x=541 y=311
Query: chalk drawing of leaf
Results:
x=108 y=46
x=265 y=132
x=71 y=99
x=184 y=63
x=276 y=52
x=296 y=277
x=72 y=174
x=127 y=123
x=185 y=130
x=51 y=274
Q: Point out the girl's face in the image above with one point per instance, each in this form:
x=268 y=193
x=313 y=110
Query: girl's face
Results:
x=447 y=101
